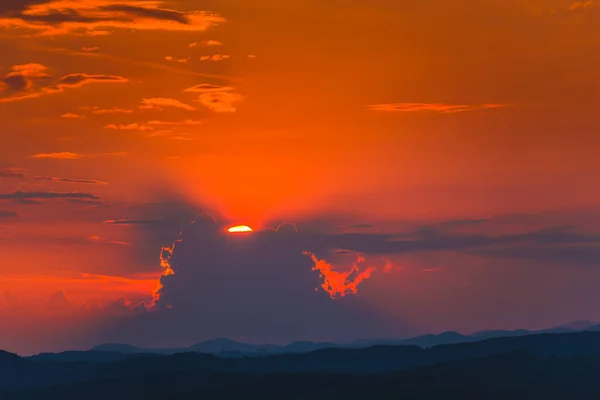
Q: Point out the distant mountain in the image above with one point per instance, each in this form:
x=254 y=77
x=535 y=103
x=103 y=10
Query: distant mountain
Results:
x=221 y=346
x=515 y=376
x=18 y=373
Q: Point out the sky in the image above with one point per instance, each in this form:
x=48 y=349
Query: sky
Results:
x=406 y=167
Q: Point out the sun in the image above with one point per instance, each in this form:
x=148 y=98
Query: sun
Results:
x=240 y=229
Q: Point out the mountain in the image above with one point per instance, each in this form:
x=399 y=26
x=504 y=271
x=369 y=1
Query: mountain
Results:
x=229 y=348
x=515 y=376
x=19 y=373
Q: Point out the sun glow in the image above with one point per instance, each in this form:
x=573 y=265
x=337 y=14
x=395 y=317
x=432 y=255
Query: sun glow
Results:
x=240 y=229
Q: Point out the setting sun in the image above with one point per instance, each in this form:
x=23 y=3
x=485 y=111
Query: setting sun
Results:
x=240 y=229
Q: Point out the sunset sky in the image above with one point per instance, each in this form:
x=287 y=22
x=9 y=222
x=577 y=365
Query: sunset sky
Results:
x=407 y=167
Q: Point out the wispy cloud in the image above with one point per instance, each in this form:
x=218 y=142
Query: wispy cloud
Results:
x=126 y=222
x=67 y=155
x=29 y=81
x=216 y=98
x=211 y=42
x=22 y=195
x=11 y=173
x=101 y=17
x=72 y=116
x=215 y=57
x=441 y=108
x=158 y=102
x=69 y=180
x=8 y=214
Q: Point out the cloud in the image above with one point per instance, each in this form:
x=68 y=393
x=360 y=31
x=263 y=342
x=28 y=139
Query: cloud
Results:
x=158 y=102
x=116 y=110
x=11 y=173
x=215 y=57
x=211 y=42
x=8 y=214
x=72 y=116
x=216 y=98
x=70 y=180
x=221 y=102
x=186 y=122
x=208 y=88
x=129 y=127
x=432 y=107
x=66 y=155
x=29 y=81
x=90 y=49
x=134 y=222
x=192 y=45
x=21 y=195
x=265 y=288
x=101 y=17
x=578 y=5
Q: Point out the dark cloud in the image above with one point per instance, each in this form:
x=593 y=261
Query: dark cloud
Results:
x=563 y=254
x=69 y=180
x=80 y=79
x=9 y=173
x=169 y=15
x=135 y=222
x=31 y=80
x=66 y=15
x=15 y=6
x=258 y=287
x=8 y=214
x=25 y=196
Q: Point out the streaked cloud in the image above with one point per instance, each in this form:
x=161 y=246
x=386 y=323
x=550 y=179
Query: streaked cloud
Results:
x=90 y=49
x=216 y=98
x=134 y=222
x=208 y=88
x=578 y=5
x=101 y=17
x=128 y=127
x=67 y=155
x=211 y=42
x=215 y=57
x=22 y=195
x=70 y=115
x=11 y=173
x=69 y=180
x=28 y=81
x=441 y=108
x=159 y=102
x=8 y=214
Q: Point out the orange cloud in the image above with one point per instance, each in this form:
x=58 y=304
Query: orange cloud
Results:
x=339 y=284
x=67 y=155
x=581 y=5
x=70 y=180
x=212 y=43
x=31 y=80
x=129 y=127
x=72 y=116
x=157 y=103
x=176 y=123
x=431 y=107
x=90 y=49
x=99 y=111
x=216 y=98
x=102 y=17
x=215 y=57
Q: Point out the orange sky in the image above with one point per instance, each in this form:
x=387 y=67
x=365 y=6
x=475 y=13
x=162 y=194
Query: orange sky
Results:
x=261 y=111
